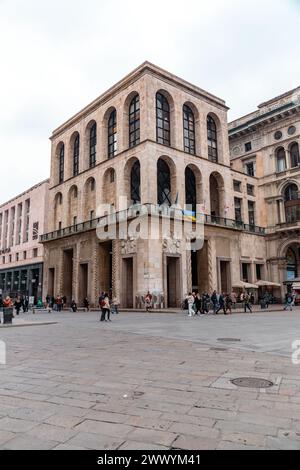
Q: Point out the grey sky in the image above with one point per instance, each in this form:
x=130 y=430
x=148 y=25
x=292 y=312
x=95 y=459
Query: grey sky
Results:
x=58 y=55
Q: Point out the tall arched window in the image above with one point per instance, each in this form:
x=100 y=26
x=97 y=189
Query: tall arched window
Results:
x=292 y=203
x=291 y=265
x=93 y=143
x=189 y=130
x=280 y=159
x=190 y=189
x=134 y=121
x=162 y=120
x=76 y=156
x=212 y=140
x=135 y=183
x=295 y=158
x=163 y=183
x=61 y=168
x=112 y=134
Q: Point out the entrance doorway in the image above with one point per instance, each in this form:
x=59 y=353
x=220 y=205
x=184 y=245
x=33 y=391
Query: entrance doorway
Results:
x=67 y=275
x=83 y=282
x=51 y=274
x=128 y=282
x=199 y=261
x=173 y=282
x=105 y=267
x=225 y=277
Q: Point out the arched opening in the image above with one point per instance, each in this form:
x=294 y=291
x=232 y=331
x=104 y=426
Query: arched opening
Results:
x=193 y=187
x=212 y=139
x=75 y=149
x=134 y=121
x=73 y=205
x=294 y=154
x=163 y=119
x=58 y=211
x=109 y=187
x=112 y=134
x=132 y=177
x=189 y=137
x=280 y=159
x=60 y=155
x=89 y=199
x=91 y=144
x=292 y=260
x=292 y=203
x=216 y=187
x=166 y=181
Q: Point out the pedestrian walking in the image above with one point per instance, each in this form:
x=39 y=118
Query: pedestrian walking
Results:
x=228 y=304
x=18 y=305
x=114 y=305
x=233 y=297
x=191 y=301
x=289 y=302
x=148 y=301
x=105 y=307
x=247 y=304
x=214 y=300
x=86 y=304
x=221 y=304
x=74 y=306
x=198 y=304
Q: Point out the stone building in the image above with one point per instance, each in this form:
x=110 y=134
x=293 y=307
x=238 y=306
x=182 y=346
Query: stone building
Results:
x=157 y=140
x=21 y=254
x=265 y=144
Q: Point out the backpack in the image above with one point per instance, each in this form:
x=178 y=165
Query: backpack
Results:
x=102 y=303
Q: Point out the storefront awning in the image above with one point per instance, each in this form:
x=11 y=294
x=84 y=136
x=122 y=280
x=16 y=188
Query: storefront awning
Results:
x=244 y=285
x=267 y=284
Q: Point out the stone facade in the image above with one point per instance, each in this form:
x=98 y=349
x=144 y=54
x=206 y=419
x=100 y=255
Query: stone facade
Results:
x=21 y=254
x=270 y=138
x=87 y=182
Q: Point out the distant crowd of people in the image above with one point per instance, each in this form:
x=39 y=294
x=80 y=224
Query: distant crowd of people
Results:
x=198 y=304
x=19 y=303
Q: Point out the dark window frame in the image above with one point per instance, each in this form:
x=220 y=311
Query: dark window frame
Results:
x=163 y=120
x=189 y=135
x=135 y=182
x=61 y=169
x=134 y=121
x=112 y=134
x=93 y=144
x=212 y=139
x=76 y=150
x=163 y=183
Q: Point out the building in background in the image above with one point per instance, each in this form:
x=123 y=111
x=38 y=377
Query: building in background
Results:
x=154 y=139
x=21 y=255
x=265 y=145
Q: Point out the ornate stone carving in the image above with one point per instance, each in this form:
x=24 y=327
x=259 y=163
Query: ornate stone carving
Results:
x=129 y=246
x=171 y=246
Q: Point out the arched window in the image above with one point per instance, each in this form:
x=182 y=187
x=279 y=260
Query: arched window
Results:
x=291 y=265
x=292 y=203
x=76 y=156
x=61 y=164
x=112 y=134
x=189 y=130
x=295 y=158
x=190 y=189
x=163 y=183
x=134 y=121
x=291 y=193
x=135 y=182
x=93 y=143
x=212 y=140
x=280 y=159
x=162 y=120
x=214 y=190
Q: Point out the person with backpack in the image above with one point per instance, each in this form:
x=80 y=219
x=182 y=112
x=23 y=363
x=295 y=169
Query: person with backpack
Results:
x=247 y=304
x=105 y=307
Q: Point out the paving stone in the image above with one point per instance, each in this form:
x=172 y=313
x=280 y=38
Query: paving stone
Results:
x=109 y=429
x=193 y=430
x=152 y=436
x=64 y=421
x=236 y=426
x=95 y=441
x=16 y=425
x=279 y=443
x=52 y=433
x=195 y=443
x=135 y=445
x=6 y=436
x=26 y=442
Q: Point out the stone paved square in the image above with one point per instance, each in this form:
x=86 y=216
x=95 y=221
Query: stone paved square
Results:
x=150 y=381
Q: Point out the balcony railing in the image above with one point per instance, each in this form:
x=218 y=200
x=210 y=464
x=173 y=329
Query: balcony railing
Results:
x=154 y=210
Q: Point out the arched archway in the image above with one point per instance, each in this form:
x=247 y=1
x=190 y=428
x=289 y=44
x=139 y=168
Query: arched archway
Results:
x=291 y=203
x=89 y=199
x=60 y=163
x=193 y=186
x=74 y=153
x=166 y=181
x=165 y=119
x=90 y=153
x=131 y=120
x=109 y=188
x=132 y=175
x=216 y=189
x=58 y=211
x=294 y=155
x=73 y=205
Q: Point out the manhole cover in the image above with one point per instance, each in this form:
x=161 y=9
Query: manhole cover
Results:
x=229 y=340
x=218 y=349
x=252 y=382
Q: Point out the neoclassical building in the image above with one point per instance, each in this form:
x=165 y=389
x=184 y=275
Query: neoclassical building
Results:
x=157 y=140
x=265 y=144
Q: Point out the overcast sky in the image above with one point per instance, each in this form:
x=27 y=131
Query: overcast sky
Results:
x=58 y=55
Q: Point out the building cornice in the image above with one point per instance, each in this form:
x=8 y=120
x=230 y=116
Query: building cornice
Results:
x=139 y=72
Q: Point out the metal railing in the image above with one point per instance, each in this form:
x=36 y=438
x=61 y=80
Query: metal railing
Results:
x=152 y=209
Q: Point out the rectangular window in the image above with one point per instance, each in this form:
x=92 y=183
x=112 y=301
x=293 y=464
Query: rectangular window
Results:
x=74 y=220
x=259 y=272
x=24 y=254
x=250 y=168
x=35 y=231
x=251 y=212
x=35 y=252
x=17 y=256
x=248 y=147
x=237 y=186
x=250 y=189
x=238 y=209
x=246 y=272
